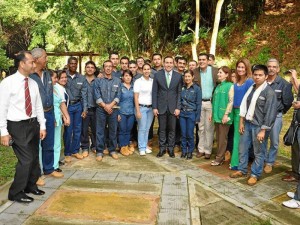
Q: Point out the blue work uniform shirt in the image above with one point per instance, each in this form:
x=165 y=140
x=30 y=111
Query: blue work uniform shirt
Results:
x=191 y=100
x=107 y=90
x=74 y=86
x=88 y=95
x=45 y=88
x=126 y=101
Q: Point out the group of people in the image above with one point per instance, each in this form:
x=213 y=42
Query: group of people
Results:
x=111 y=109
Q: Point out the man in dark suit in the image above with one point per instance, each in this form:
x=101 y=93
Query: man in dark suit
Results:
x=166 y=92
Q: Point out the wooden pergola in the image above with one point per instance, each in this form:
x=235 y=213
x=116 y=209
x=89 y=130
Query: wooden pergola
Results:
x=77 y=54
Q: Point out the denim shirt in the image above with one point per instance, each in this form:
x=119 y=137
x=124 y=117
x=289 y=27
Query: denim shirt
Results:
x=74 y=86
x=191 y=100
x=88 y=95
x=107 y=90
x=45 y=88
x=126 y=101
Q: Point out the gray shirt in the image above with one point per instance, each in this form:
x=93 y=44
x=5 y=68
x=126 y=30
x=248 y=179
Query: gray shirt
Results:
x=74 y=86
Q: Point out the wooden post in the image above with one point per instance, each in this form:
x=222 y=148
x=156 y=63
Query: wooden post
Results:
x=80 y=60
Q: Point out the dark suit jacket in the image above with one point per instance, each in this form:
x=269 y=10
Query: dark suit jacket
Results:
x=164 y=98
x=197 y=77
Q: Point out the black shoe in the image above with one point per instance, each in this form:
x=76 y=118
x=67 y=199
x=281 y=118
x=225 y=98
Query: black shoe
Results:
x=61 y=163
x=189 y=156
x=183 y=155
x=161 y=153
x=58 y=170
x=35 y=192
x=171 y=154
x=22 y=198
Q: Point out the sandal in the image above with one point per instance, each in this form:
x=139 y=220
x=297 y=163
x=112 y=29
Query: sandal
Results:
x=215 y=163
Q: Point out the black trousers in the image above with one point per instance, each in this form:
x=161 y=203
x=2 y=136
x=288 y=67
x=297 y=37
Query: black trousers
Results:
x=89 y=121
x=295 y=160
x=26 y=147
x=167 y=125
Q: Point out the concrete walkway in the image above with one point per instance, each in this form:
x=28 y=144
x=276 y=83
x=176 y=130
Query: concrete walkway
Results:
x=148 y=190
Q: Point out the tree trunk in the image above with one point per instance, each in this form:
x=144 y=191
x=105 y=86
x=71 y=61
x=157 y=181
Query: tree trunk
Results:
x=216 y=27
x=196 y=33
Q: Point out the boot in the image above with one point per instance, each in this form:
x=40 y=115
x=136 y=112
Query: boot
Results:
x=124 y=151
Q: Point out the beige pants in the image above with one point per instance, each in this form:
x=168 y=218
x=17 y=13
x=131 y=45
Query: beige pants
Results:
x=206 y=129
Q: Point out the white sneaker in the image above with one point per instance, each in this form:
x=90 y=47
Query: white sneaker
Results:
x=291 y=194
x=148 y=151
x=142 y=153
x=293 y=204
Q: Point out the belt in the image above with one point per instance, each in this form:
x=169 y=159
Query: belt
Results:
x=31 y=120
x=74 y=102
x=92 y=109
x=188 y=110
x=48 y=109
x=147 y=106
x=206 y=100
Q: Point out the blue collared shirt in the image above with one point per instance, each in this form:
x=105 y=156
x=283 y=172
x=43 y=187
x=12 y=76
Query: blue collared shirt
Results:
x=107 y=90
x=117 y=74
x=45 y=88
x=88 y=95
x=74 y=86
x=126 y=101
x=207 y=83
x=191 y=100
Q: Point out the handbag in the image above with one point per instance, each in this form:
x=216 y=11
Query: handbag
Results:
x=290 y=135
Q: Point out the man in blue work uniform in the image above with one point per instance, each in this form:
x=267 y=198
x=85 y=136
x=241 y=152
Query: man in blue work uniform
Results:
x=74 y=90
x=43 y=79
x=107 y=91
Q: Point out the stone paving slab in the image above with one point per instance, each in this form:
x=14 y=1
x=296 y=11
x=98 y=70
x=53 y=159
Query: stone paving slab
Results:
x=105 y=175
x=151 y=178
x=175 y=189
x=128 y=177
x=54 y=182
x=175 y=179
x=12 y=219
x=209 y=179
x=68 y=173
x=84 y=174
x=26 y=209
x=174 y=202
x=173 y=217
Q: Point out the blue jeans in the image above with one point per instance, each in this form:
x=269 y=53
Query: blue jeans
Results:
x=250 y=138
x=104 y=119
x=274 y=140
x=89 y=121
x=47 y=144
x=143 y=127
x=187 y=124
x=125 y=126
x=72 y=133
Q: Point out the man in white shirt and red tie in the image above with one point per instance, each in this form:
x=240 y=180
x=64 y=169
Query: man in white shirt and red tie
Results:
x=22 y=124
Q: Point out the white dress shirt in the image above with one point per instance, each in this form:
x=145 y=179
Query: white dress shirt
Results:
x=144 y=88
x=12 y=101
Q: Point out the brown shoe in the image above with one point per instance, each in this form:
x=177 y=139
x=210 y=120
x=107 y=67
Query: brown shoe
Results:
x=227 y=156
x=77 y=156
x=207 y=156
x=56 y=174
x=94 y=151
x=114 y=156
x=268 y=168
x=289 y=178
x=124 y=151
x=177 y=148
x=131 y=149
x=85 y=154
x=252 y=181
x=99 y=158
x=68 y=159
x=40 y=182
x=105 y=151
x=200 y=154
x=236 y=174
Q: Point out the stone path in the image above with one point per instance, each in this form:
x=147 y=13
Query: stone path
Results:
x=148 y=190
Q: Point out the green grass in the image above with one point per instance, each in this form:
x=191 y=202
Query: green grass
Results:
x=7 y=164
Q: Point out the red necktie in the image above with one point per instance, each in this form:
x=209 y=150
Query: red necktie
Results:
x=28 y=106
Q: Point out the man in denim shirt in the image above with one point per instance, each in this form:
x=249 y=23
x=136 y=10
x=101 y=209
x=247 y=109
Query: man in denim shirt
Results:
x=43 y=79
x=257 y=116
x=107 y=91
x=74 y=90
x=89 y=110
